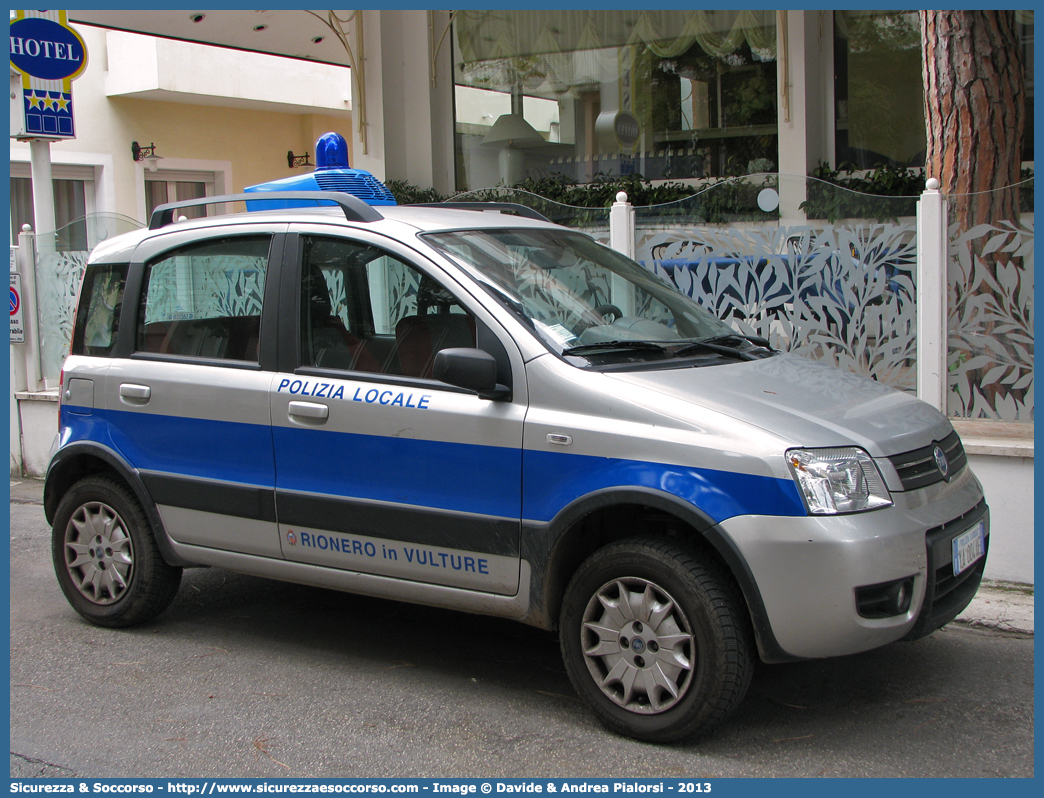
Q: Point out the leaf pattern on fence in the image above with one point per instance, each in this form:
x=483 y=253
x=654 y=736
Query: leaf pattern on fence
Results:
x=58 y=277
x=840 y=294
x=990 y=358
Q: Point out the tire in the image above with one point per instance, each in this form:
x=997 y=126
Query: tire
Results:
x=656 y=640
x=106 y=558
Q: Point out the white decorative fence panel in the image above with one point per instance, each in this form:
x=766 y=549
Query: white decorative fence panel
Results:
x=990 y=358
x=844 y=294
x=58 y=277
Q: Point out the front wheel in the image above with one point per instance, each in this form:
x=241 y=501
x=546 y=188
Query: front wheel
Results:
x=105 y=557
x=655 y=640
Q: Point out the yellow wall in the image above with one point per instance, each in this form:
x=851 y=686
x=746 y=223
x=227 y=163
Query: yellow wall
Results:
x=255 y=142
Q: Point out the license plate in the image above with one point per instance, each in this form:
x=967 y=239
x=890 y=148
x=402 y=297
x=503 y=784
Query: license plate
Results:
x=969 y=547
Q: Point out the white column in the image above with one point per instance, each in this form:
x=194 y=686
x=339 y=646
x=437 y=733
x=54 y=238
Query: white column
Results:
x=932 y=259
x=622 y=239
x=43 y=193
x=621 y=225
x=804 y=55
x=407 y=105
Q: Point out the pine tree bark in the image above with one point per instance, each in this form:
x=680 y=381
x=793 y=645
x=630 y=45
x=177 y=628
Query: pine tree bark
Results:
x=974 y=84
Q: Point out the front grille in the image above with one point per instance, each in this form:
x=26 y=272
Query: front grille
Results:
x=947 y=595
x=918 y=469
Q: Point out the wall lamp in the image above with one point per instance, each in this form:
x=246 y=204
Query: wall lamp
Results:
x=295 y=161
x=146 y=154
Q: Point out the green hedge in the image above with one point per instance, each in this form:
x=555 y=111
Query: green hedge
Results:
x=883 y=194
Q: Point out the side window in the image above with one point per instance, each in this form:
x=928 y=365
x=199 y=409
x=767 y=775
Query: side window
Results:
x=98 y=311
x=204 y=300
x=363 y=309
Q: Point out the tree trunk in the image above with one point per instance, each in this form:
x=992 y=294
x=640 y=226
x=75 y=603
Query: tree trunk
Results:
x=974 y=87
x=974 y=98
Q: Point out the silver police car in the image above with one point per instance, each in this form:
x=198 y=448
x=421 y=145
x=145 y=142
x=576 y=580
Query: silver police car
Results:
x=481 y=410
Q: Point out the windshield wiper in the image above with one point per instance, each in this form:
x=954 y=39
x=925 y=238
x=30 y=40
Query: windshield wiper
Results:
x=721 y=344
x=721 y=339
x=613 y=346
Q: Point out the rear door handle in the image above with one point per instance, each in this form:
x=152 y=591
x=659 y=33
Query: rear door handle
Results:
x=137 y=394
x=311 y=411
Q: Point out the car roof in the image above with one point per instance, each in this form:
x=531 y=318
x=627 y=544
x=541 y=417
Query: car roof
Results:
x=398 y=222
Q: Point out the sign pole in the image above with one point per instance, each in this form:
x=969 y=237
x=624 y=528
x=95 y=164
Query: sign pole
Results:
x=43 y=194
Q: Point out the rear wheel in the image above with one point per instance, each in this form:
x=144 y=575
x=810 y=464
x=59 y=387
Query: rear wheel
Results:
x=655 y=640
x=105 y=557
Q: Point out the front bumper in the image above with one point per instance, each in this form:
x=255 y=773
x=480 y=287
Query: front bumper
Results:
x=808 y=568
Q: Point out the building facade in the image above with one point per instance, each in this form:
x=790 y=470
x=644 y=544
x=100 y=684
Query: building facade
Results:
x=219 y=120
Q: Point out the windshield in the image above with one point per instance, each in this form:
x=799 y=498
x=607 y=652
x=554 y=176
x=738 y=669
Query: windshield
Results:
x=580 y=297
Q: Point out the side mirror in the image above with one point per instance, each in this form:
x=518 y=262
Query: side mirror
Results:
x=472 y=369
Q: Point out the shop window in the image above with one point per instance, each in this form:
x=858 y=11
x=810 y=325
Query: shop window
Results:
x=878 y=93
x=879 y=88
x=664 y=94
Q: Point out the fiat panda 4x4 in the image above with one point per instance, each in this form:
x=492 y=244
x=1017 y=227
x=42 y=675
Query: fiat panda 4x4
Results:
x=487 y=412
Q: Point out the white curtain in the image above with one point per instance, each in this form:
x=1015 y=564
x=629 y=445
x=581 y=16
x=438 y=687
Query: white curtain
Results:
x=570 y=48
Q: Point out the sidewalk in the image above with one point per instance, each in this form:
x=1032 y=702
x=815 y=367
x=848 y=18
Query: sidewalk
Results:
x=27 y=491
x=999 y=606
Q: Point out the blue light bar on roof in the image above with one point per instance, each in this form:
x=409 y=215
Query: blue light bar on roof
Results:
x=332 y=173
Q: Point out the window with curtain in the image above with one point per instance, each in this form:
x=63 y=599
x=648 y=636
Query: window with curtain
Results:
x=174 y=186
x=667 y=94
x=70 y=206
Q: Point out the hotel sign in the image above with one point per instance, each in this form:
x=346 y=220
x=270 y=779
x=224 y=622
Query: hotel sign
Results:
x=47 y=55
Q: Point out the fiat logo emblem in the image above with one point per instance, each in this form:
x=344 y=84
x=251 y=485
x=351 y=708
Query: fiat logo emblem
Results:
x=941 y=461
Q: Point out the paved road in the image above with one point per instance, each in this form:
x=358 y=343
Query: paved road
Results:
x=246 y=677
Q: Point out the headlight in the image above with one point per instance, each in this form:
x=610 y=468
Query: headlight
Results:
x=838 y=480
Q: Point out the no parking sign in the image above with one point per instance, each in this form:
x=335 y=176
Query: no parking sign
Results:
x=17 y=328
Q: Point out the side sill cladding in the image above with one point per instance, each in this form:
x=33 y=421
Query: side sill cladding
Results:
x=73 y=461
x=453 y=598
x=548 y=547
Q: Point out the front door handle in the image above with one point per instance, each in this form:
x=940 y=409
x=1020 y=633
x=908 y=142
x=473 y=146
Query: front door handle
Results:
x=308 y=411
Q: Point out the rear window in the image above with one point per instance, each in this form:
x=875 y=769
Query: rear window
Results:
x=98 y=311
x=204 y=300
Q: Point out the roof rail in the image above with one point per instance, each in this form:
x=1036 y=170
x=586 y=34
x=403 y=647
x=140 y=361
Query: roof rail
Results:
x=355 y=210
x=521 y=210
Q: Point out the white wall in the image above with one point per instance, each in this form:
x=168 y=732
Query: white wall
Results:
x=1008 y=484
x=38 y=419
x=16 y=430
